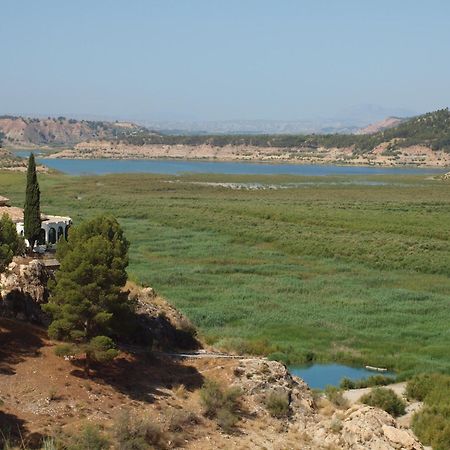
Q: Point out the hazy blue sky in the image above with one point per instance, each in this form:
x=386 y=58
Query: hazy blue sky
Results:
x=222 y=59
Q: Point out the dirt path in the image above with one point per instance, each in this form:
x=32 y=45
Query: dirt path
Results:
x=353 y=395
x=206 y=354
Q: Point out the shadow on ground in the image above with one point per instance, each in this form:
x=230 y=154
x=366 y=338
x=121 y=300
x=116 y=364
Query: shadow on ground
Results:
x=141 y=376
x=13 y=432
x=18 y=341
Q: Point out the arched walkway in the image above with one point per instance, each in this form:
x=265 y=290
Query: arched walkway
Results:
x=52 y=236
x=41 y=237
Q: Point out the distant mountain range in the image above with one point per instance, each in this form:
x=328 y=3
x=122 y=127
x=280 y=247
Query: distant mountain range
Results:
x=348 y=121
x=60 y=131
x=251 y=127
x=45 y=130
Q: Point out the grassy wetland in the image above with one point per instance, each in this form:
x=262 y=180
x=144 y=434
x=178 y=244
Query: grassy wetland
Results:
x=347 y=269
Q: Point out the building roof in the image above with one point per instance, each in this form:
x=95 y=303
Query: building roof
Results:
x=16 y=214
x=47 y=218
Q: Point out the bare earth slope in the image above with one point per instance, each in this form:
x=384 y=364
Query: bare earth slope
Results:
x=20 y=131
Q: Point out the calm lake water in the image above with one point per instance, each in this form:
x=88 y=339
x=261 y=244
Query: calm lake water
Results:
x=175 y=167
x=318 y=376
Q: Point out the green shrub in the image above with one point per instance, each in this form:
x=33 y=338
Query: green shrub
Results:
x=277 y=403
x=432 y=423
x=50 y=443
x=385 y=399
x=180 y=420
x=10 y=242
x=336 y=425
x=347 y=383
x=89 y=438
x=432 y=426
x=101 y=349
x=226 y=419
x=217 y=400
x=374 y=380
x=213 y=398
x=259 y=347
x=135 y=433
x=63 y=350
x=309 y=357
x=421 y=385
x=334 y=395
x=280 y=357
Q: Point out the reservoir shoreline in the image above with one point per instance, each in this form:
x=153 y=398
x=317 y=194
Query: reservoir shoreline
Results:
x=169 y=166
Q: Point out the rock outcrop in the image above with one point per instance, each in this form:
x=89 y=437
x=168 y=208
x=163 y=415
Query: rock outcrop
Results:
x=23 y=290
x=360 y=427
x=364 y=428
x=260 y=378
x=168 y=328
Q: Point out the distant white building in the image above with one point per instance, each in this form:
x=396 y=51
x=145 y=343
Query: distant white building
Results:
x=53 y=228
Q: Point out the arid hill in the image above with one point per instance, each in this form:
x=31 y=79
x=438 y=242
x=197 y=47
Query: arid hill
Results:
x=21 y=131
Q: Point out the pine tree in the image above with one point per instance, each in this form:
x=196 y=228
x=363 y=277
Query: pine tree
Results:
x=32 y=212
x=87 y=304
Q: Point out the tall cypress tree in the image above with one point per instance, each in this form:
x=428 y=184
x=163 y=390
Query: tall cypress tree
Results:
x=32 y=210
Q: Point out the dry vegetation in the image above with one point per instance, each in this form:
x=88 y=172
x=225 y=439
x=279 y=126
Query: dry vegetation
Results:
x=137 y=401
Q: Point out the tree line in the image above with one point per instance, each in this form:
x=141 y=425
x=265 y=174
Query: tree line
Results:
x=431 y=129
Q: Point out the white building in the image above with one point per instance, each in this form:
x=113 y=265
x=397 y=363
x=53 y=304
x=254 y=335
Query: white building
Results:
x=52 y=227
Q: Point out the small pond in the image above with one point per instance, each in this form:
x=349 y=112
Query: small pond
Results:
x=318 y=376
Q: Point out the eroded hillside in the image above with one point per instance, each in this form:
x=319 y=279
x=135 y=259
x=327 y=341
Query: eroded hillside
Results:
x=21 y=131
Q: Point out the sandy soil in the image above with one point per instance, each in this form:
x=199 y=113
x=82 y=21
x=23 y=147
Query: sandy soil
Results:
x=353 y=395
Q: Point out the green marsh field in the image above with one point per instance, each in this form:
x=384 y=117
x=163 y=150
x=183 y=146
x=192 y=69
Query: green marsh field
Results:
x=350 y=269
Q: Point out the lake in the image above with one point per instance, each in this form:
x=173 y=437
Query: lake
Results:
x=175 y=167
x=318 y=376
